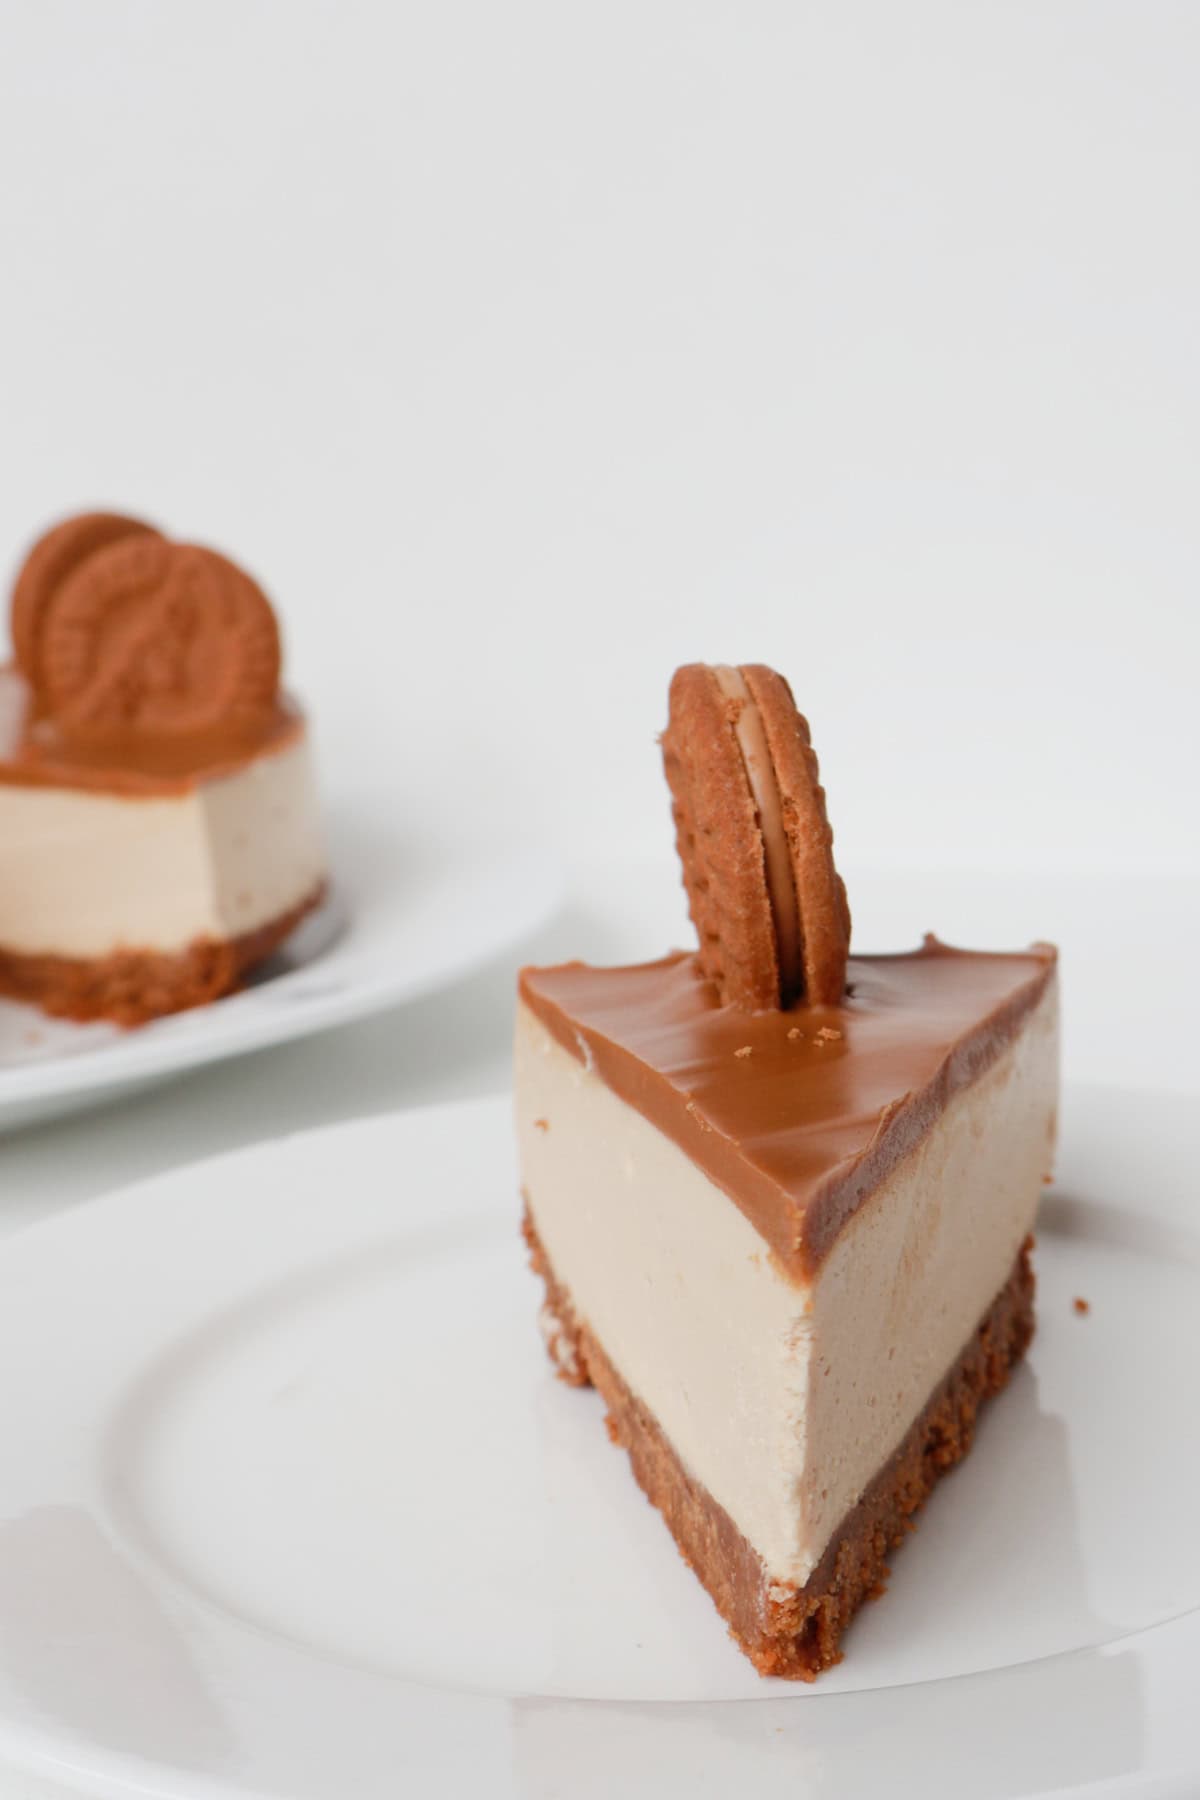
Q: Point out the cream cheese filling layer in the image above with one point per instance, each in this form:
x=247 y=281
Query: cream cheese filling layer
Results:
x=83 y=874
x=783 y=1398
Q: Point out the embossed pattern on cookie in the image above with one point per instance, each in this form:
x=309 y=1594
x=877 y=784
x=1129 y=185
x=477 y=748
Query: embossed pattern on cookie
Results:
x=51 y=561
x=152 y=636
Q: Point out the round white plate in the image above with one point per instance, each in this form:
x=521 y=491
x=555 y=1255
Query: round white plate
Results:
x=401 y=921
x=290 y=1504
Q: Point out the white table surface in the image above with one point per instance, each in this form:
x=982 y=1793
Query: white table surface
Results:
x=1131 y=986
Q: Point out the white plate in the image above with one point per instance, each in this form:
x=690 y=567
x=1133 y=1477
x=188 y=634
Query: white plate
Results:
x=291 y=1505
x=402 y=921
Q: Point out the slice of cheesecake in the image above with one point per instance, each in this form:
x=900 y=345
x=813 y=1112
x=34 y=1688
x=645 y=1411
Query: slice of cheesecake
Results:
x=137 y=886
x=160 y=833
x=791 y=1249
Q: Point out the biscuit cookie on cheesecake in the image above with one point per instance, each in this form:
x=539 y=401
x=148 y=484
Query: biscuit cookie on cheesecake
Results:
x=753 y=838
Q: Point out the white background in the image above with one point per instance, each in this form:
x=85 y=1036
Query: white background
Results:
x=525 y=350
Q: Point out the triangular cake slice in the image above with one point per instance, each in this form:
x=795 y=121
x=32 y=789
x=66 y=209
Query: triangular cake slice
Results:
x=791 y=1249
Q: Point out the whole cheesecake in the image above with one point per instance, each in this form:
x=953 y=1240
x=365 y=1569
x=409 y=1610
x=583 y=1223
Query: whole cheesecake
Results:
x=782 y=1198
x=159 y=825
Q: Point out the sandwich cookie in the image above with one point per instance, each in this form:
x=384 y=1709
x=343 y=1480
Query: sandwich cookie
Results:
x=754 y=839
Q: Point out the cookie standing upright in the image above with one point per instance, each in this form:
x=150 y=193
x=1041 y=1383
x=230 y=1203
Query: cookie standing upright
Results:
x=753 y=838
x=159 y=638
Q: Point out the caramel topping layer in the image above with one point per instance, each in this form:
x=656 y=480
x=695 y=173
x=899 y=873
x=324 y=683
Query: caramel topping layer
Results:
x=34 y=752
x=797 y=1115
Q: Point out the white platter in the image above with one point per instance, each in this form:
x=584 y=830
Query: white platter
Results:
x=402 y=920
x=291 y=1505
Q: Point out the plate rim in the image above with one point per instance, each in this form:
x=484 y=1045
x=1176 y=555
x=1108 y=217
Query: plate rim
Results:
x=215 y=1035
